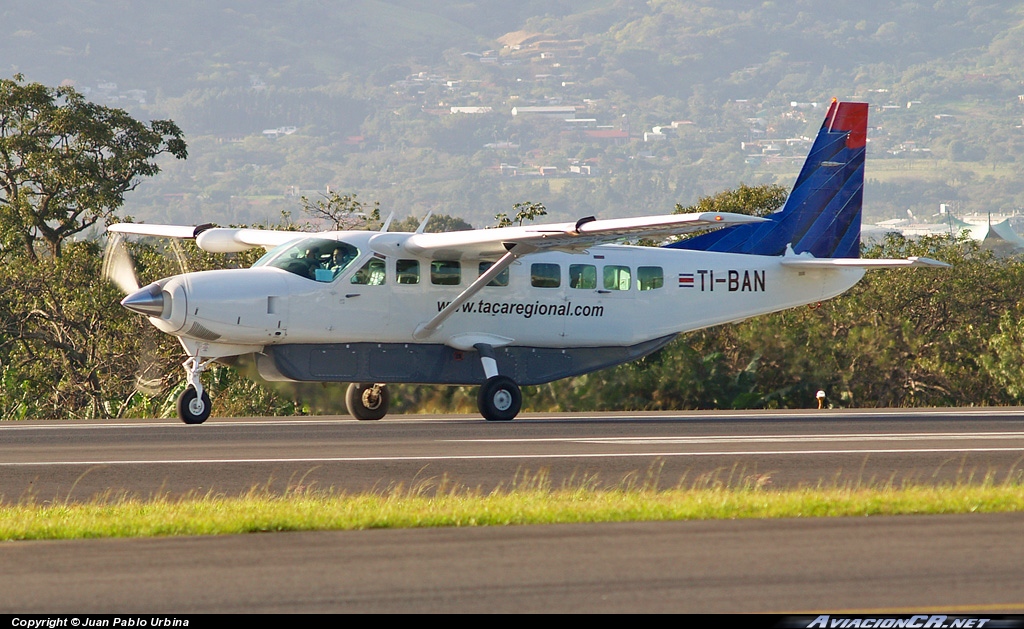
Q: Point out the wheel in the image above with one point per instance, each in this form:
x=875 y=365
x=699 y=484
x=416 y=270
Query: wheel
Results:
x=367 y=401
x=500 y=399
x=193 y=409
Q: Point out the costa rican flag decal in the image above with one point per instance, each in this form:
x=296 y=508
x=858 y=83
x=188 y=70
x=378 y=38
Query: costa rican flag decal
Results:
x=686 y=280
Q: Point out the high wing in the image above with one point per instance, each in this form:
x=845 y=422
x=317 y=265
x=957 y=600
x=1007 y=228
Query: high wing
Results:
x=210 y=238
x=477 y=243
x=571 y=237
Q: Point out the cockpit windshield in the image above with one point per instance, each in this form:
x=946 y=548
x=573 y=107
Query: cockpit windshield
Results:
x=317 y=259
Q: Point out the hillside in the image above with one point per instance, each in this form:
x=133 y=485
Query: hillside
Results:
x=670 y=100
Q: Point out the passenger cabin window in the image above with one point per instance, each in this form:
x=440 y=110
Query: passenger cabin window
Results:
x=616 y=277
x=372 y=273
x=649 y=277
x=407 y=271
x=317 y=259
x=545 y=275
x=582 y=276
x=500 y=280
x=445 y=272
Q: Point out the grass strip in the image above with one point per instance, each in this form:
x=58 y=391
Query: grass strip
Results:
x=315 y=510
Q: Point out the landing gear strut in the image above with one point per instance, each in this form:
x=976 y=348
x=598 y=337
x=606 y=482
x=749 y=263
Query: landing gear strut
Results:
x=194 y=403
x=367 y=401
x=499 y=399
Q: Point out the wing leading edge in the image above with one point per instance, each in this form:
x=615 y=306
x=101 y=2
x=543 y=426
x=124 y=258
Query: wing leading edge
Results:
x=210 y=238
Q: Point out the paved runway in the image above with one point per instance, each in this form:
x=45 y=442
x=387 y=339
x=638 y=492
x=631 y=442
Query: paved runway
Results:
x=76 y=460
x=919 y=564
x=956 y=564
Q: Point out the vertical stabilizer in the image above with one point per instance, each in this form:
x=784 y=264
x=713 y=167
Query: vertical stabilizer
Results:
x=822 y=213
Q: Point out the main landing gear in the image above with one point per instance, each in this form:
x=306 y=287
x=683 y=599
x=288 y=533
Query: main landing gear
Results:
x=499 y=399
x=367 y=401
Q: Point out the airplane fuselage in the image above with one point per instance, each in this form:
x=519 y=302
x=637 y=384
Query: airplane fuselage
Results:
x=610 y=296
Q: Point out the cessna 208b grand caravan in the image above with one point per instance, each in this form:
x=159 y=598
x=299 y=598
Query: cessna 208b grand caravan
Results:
x=508 y=306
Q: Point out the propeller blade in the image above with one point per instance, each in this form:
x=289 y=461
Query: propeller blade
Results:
x=151 y=375
x=118 y=266
x=154 y=360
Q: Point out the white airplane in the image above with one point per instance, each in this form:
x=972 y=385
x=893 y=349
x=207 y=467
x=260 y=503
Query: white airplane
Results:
x=508 y=306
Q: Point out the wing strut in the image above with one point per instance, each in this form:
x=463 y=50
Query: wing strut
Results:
x=425 y=330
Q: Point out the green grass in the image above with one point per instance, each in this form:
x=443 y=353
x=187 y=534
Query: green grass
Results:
x=532 y=501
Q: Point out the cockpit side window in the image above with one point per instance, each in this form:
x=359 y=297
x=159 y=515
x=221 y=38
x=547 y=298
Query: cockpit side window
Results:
x=317 y=259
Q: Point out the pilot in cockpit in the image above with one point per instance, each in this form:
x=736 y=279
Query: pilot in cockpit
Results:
x=311 y=261
x=339 y=259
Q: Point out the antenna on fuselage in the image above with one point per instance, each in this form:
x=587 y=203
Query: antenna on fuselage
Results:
x=423 y=225
x=387 y=223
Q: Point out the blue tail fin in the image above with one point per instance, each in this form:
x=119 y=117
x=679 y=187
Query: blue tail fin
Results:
x=822 y=213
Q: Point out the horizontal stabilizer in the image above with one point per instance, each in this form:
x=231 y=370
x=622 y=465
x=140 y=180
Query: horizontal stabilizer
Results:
x=807 y=261
x=863 y=263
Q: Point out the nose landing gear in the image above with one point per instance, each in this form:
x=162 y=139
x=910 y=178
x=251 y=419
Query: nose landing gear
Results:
x=193 y=407
x=194 y=403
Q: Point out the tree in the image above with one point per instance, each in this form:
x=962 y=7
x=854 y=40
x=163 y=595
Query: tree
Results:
x=437 y=223
x=66 y=163
x=343 y=211
x=66 y=347
x=525 y=211
x=752 y=200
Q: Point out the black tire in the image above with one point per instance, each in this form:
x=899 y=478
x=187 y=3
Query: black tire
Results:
x=367 y=401
x=193 y=409
x=499 y=399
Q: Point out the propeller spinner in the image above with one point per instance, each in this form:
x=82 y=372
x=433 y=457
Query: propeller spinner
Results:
x=149 y=301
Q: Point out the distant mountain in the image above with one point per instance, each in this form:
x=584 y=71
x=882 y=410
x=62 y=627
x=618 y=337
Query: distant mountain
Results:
x=173 y=47
x=739 y=48
x=370 y=86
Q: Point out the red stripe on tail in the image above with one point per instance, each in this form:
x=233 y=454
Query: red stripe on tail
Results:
x=852 y=117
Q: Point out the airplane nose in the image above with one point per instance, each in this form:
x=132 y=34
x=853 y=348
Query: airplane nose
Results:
x=148 y=300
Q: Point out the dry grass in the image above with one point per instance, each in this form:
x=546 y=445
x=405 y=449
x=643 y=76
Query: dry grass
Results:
x=528 y=499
